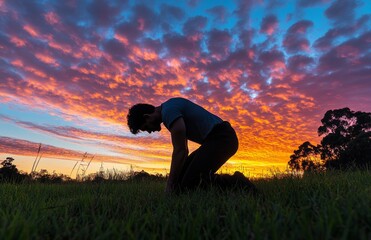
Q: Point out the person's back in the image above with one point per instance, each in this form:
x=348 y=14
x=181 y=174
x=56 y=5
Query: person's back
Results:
x=198 y=121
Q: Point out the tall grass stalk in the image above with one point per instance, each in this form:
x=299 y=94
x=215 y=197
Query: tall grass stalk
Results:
x=37 y=155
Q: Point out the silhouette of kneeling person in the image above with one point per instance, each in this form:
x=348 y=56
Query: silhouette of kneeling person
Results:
x=188 y=121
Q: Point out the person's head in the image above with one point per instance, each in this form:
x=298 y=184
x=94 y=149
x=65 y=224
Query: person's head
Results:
x=143 y=117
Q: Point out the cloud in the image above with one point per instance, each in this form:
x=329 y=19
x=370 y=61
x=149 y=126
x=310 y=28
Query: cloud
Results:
x=348 y=53
x=273 y=4
x=269 y=24
x=117 y=48
x=219 y=43
x=123 y=148
x=179 y=45
x=273 y=58
x=27 y=148
x=295 y=40
x=129 y=31
x=194 y=25
x=172 y=12
x=220 y=14
x=300 y=63
x=300 y=27
x=243 y=13
x=145 y=17
x=342 y=11
x=193 y=3
x=327 y=41
x=104 y=13
x=73 y=133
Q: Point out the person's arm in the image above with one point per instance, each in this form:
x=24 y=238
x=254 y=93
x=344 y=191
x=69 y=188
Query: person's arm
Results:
x=180 y=153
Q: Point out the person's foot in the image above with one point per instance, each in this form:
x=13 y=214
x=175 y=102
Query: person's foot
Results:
x=244 y=183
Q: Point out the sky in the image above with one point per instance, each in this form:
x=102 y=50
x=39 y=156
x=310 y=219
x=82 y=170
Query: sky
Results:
x=70 y=70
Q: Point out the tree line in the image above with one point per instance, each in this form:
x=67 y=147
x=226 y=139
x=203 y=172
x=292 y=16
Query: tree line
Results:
x=346 y=143
x=10 y=174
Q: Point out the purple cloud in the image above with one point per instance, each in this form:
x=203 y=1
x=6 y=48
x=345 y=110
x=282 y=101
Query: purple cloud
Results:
x=219 y=13
x=271 y=58
x=179 y=45
x=193 y=3
x=272 y=4
x=104 y=13
x=145 y=17
x=342 y=11
x=243 y=13
x=219 y=43
x=346 y=54
x=300 y=27
x=170 y=12
x=327 y=41
x=194 y=25
x=269 y=24
x=300 y=63
x=295 y=40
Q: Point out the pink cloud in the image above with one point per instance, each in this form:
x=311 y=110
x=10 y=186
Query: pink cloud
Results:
x=269 y=24
x=52 y=18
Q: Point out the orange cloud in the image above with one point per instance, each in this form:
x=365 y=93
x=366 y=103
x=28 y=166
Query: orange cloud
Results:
x=47 y=59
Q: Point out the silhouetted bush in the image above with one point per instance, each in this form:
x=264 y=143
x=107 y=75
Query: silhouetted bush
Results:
x=10 y=173
x=110 y=175
x=44 y=176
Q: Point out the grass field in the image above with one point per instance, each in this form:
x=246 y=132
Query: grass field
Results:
x=327 y=206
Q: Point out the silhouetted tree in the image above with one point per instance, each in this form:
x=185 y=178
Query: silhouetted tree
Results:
x=346 y=143
x=357 y=153
x=343 y=130
x=306 y=157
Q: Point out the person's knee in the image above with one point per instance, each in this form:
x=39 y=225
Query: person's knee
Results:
x=233 y=145
x=233 y=141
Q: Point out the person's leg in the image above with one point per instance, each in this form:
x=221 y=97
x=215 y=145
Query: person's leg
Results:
x=187 y=162
x=219 y=146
